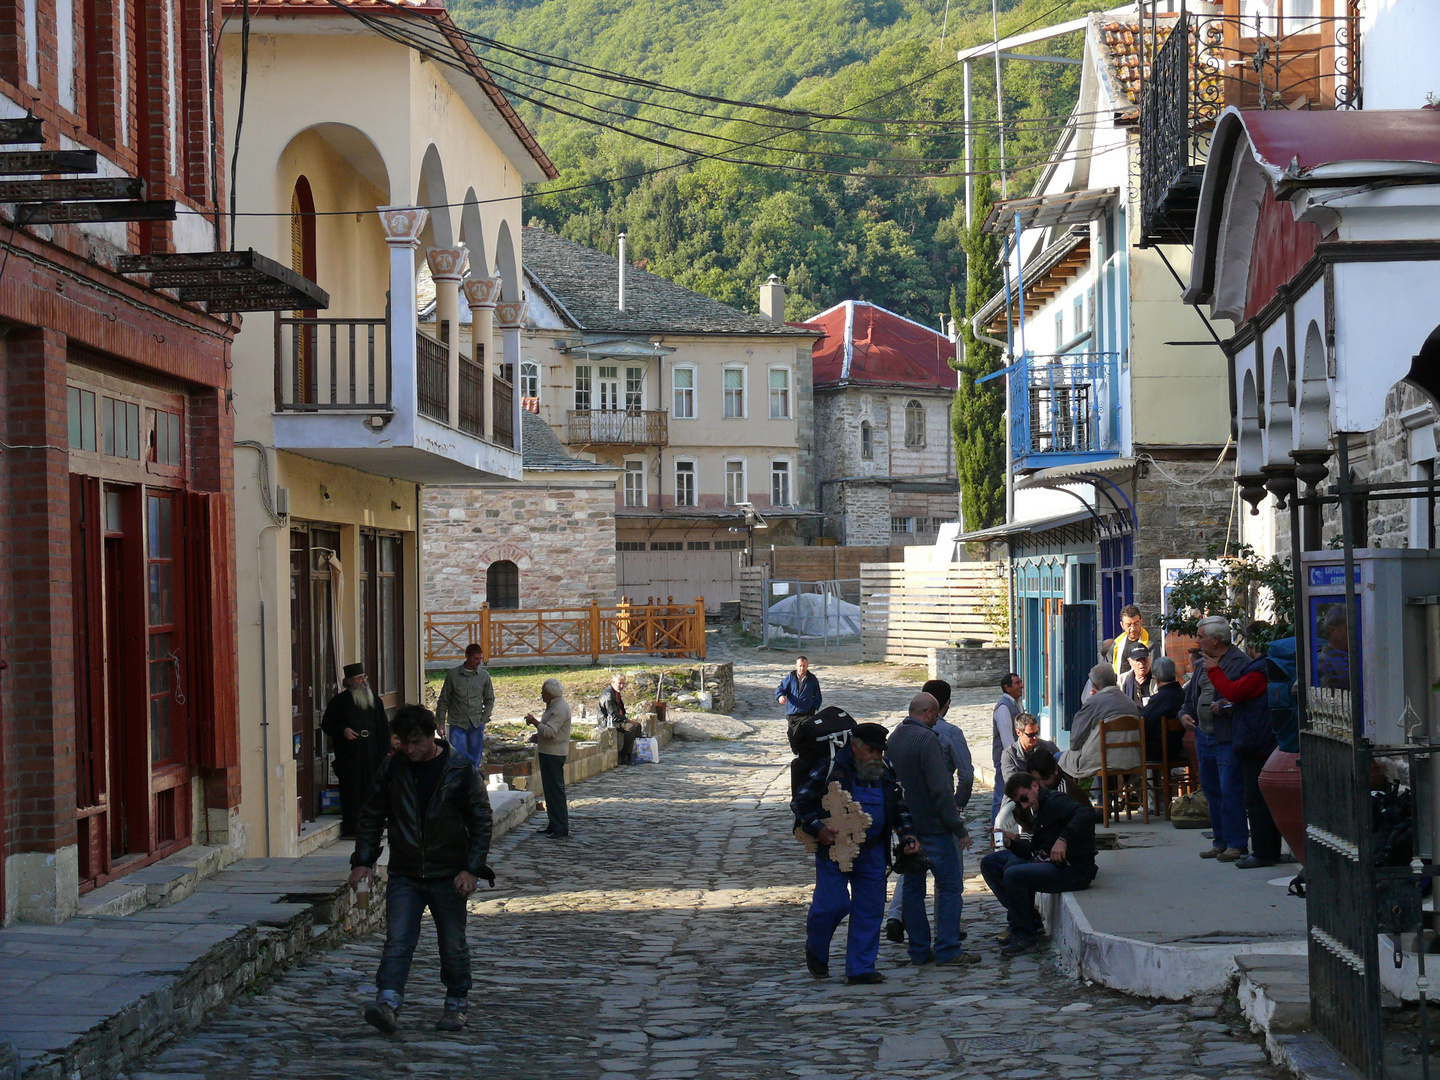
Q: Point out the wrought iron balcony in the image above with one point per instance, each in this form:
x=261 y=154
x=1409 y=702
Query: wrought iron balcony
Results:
x=619 y=427
x=1062 y=409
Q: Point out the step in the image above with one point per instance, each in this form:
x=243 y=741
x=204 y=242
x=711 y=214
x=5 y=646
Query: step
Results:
x=160 y=884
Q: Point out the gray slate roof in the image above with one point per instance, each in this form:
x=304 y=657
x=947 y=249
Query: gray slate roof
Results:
x=542 y=449
x=585 y=282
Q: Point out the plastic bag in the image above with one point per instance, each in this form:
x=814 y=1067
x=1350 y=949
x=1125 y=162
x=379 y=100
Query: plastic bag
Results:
x=647 y=750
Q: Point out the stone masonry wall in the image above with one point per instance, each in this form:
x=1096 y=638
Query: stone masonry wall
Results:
x=562 y=539
x=1386 y=459
x=1176 y=521
x=865 y=509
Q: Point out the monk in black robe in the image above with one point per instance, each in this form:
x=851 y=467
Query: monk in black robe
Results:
x=360 y=734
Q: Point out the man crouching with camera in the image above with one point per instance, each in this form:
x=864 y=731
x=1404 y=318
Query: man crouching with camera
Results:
x=862 y=773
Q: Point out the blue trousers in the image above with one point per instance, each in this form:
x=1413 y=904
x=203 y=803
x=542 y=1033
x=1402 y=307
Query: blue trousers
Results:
x=469 y=742
x=859 y=894
x=1015 y=881
x=946 y=862
x=1223 y=783
x=405 y=901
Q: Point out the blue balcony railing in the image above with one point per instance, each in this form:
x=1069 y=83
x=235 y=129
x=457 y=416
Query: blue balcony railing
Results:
x=1063 y=408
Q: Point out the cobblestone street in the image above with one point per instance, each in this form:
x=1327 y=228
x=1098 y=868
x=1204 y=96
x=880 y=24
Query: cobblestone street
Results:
x=666 y=940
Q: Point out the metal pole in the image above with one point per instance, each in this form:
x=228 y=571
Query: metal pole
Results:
x=969 y=159
x=999 y=97
x=1352 y=632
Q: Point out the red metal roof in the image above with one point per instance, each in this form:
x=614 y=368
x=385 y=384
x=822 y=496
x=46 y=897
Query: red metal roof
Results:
x=1297 y=144
x=867 y=344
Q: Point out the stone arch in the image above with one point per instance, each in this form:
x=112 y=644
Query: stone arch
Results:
x=1252 y=444
x=505 y=264
x=353 y=146
x=472 y=235
x=1279 y=426
x=432 y=193
x=1312 y=417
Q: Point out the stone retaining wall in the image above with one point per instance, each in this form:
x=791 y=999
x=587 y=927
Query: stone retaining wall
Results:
x=970 y=667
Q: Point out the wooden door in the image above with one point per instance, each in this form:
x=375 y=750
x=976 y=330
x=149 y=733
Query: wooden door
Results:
x=302 y=691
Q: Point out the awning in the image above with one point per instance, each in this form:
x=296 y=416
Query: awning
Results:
x=228 y=280
x=1025 y=528
x=1074 y=474
x=1047 y=211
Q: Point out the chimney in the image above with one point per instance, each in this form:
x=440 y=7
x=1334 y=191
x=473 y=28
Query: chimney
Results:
x=620 y=301
x=772 y=300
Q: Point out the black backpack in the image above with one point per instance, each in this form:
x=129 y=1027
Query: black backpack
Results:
x=815 y=739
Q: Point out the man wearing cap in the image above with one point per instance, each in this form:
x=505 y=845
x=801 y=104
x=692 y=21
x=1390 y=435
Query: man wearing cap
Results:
x=1138 y=684
x=360 y=736
x=860 y=769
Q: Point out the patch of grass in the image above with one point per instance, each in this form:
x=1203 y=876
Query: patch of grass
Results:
x=517 y=690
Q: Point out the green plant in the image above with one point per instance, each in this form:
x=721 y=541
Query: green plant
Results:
x=995 y=608
x=1248 y=591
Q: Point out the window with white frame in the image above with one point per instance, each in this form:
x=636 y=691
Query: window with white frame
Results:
x=734 y=393
x=779 y=393
x=609 y=377
x=902 y=525
x=684 y=483
x=1077 y=327
x=735 y=483
x=779 y=483
x=682 y=380
x=582 y=387
x=867 y=441
x=529 y=379
x=635 y=483
x=1059 y=329
x=634 y=389
x=914 y=423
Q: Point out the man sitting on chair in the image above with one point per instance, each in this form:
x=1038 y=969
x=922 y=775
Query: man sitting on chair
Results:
x=1164 y=704
x=1107 y=703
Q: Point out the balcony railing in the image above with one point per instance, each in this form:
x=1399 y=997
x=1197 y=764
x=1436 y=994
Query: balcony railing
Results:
x=619 y=427
x=503 y=399
x=432 y=360
x=1062 y=407
x=340 y=365
x=472 y=398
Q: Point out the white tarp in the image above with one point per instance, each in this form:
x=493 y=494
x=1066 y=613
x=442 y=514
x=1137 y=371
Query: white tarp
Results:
x=814 y=615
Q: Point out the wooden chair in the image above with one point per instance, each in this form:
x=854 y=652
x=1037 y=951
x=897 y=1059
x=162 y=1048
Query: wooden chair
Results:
x=1170 y=784
x=1123 y=733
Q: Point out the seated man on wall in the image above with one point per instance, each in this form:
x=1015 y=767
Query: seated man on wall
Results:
x=1058 y=857
x=1016 y=757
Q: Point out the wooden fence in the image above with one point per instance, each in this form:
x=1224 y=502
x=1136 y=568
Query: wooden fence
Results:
x=655 y=627
x=907 y=610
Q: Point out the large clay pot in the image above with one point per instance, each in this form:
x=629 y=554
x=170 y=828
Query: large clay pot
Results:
x=1280 y=784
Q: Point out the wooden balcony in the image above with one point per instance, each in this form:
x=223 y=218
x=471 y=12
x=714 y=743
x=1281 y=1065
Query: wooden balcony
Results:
x=619 y=427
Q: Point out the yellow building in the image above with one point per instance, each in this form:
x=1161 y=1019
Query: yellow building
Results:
x=357 y=158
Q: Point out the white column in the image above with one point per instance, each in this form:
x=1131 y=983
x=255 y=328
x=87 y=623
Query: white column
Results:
x=481 y=294
x=403 y=226
x=447 y=267
x=511 y=316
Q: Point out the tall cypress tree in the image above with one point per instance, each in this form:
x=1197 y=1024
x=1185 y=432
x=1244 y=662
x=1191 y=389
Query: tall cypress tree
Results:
x=978 y=418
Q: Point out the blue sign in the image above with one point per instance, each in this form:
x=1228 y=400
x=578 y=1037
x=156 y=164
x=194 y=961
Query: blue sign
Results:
x=1322 y=577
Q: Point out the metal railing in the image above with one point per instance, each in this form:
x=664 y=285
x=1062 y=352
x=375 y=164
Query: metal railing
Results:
x=657 y=628
x=619 y=427
x=1060 y=404
x=472 y=398
x=432 y=371
x=332 y=365
x=502 y=398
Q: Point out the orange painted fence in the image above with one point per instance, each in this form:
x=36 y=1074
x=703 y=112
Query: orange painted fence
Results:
x=655 y=628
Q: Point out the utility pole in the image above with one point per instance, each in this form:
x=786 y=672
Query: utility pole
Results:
x=999 y=96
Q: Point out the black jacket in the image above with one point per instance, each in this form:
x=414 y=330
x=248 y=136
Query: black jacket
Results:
x=1165 y=704
x=612 y=708
x=811 y=815
x=1061 y=818
x=453 y=835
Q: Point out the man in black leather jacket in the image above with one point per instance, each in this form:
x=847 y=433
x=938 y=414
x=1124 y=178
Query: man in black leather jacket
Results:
x=612 y=712
x=438 y=815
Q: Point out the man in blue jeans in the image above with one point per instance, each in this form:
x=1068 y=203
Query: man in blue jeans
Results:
x=1058 y=857
x=1209 y=714
x=438 y=817
x=467 y=698
x=921 y=766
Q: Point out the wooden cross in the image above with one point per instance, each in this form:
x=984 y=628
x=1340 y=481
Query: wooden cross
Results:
x=849 y=822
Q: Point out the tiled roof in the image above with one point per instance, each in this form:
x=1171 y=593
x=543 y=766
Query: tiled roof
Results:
x=1124 y=50
x=865 y=343
x=585 y=281
x=542 y=449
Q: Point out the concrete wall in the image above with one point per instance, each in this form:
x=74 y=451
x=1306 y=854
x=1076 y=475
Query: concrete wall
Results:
x=970 y=667
x=561 y=536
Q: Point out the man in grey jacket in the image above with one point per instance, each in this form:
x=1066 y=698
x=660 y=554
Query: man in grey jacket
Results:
x=552 y=743
x=467 y=699
x=922 y=769
x=1107 y=703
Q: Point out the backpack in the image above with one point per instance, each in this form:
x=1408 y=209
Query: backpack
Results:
x=1280 y=671
x=815 y=739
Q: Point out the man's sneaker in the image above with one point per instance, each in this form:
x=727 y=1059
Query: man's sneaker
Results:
x=870 y=978
x=1211 y=853
x=1018 y=946
x=452 y=1019
x=1232 y=854
x=895 y=931
x=960 y=959
x=1253 y=862
x=381 y=1015
x=817 y=967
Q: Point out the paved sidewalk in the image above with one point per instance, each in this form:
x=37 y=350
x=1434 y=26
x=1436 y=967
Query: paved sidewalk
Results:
x=665 y=941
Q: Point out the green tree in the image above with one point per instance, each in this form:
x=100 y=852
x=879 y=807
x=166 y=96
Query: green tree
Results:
x=978 y=418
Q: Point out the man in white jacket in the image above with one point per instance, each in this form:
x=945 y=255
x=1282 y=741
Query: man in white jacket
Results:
x=552 y=743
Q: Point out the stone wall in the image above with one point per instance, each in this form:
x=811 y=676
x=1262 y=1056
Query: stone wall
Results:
x=1177 y=519
x=862 y=512
x=970 y=667
x=562 y=539
x=1386 y=459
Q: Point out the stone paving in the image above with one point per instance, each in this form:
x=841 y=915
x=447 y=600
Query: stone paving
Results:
x=665 y=940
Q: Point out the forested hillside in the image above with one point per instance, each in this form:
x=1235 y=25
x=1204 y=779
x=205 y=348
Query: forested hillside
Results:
x=867 y=206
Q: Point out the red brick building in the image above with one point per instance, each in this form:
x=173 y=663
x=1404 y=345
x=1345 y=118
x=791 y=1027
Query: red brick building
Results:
x=117 y=626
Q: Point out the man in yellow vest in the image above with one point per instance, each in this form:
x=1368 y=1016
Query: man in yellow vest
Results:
x=1133 y=636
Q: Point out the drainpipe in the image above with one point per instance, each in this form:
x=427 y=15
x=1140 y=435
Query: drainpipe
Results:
x=620 y=295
